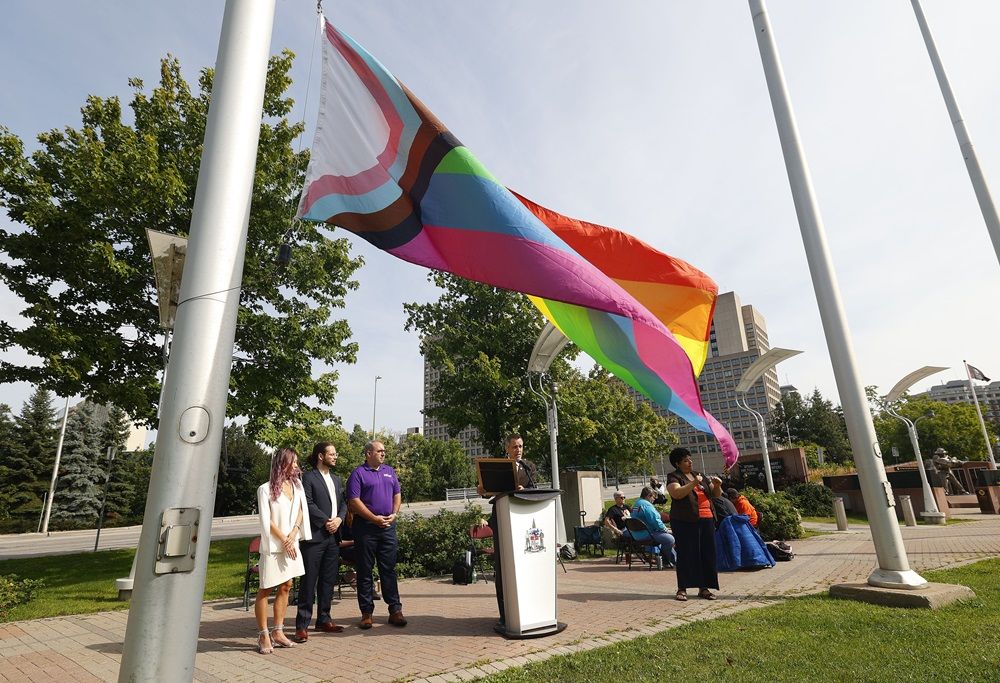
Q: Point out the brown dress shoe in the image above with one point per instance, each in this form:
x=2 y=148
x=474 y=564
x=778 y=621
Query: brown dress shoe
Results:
x=301 y=635
x=366 y=622
x=397 y=619
x=330 y=627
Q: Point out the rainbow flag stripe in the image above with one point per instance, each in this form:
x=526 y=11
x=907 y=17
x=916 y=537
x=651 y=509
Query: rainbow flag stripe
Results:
x=384 y=168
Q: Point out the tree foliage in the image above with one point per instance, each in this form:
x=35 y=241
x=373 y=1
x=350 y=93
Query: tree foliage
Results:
x=78 y=258
x=480 y=338
x=243 y=467
x=426 y=467
x=951 y=426
x=813 y=420
x=82 y=472
x=602 y=425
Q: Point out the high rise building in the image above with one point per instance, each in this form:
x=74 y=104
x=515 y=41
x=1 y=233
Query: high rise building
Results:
x=737 y=338
x=434 y=429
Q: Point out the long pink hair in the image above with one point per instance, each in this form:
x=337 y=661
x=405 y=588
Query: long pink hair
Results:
x=279 y=463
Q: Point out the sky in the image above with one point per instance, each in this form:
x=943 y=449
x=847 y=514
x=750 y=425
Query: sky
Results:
x=649 y=116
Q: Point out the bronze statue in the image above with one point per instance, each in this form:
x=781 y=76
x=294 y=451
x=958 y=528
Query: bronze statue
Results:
x=943 y=464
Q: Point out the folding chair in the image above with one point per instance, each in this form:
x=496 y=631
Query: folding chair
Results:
x=647 y=551
x=589 y=536
x=253 y=571
x=482 y=554
x=347 y=576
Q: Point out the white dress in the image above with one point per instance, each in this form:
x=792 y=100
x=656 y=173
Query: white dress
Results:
x=275 y=566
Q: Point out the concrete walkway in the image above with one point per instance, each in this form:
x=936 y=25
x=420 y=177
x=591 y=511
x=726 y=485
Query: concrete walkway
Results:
x=449 y=637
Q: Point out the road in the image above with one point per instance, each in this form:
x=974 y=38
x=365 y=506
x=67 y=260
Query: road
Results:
x=67 y=542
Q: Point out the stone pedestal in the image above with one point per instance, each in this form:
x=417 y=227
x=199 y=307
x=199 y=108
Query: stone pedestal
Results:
x=933 y=596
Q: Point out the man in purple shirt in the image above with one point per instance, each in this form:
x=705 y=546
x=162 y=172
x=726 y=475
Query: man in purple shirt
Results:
x=373 y=495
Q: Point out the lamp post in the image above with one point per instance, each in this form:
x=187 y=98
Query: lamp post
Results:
x=931 y=511
x=112 y=451
x=47 y=506
x=548 y=345
x=375 y=404
x=750 y=376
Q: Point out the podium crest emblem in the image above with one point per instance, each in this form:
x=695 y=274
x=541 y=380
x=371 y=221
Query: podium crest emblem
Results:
x=534 y=539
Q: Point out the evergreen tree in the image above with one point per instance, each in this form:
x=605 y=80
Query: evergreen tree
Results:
x=82 y=472
x=243 y=467
x=114 y=434
x=11 y=461
x=30 y=471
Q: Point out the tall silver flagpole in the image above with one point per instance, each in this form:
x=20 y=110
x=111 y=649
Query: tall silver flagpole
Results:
x=47 y=506
x=162 y=634
x=964 y=143
x=893 y=569
x=979 y=412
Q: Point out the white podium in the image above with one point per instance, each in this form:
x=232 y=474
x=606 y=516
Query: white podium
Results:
x=526 y=521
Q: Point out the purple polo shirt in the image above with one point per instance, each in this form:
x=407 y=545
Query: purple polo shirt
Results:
x=375 y=488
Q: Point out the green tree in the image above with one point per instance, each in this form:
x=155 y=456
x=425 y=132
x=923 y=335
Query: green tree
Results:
x=601 y=424
x=132 y=469
x=480 y=338
x=953 y=426
x=82 y=472
x=92 y=324
x=11 y=462
x=427 y=467
x=243 y=467
x=31 y=468
x=814 y=420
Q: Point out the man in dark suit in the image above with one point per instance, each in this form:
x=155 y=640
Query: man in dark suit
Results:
x=321 y=556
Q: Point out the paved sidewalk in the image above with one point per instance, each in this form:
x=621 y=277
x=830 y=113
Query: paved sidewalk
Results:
x=449 y=637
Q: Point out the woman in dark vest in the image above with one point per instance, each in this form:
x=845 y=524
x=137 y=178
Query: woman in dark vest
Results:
x=693 y=524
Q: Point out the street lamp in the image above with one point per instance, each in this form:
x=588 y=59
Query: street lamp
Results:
x=751 y=375
x=375 y=404
x=112 y=451
x=931 y=511
x=548 y=345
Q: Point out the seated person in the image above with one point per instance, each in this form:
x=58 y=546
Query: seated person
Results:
x=660 y=490
x=660 y=535
x=616 y=515
x=743 y=506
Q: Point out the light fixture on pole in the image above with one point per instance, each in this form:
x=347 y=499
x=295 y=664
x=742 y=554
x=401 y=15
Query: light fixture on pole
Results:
x=750 y=376
x=375 y=404
x=931 y=511
x=548 y=345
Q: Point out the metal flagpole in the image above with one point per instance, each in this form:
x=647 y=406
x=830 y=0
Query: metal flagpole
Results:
x=55 y=471
x=979 y=412
x=893 y=569
x=162 y=633
x=964 y=143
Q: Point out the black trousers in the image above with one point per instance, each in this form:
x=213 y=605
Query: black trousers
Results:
x=695 y=554
x=322 y=561
x=497 y=577
x=375 y=545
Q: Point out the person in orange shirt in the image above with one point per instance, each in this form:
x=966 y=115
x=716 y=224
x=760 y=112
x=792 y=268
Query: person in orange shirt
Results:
x=743 y=506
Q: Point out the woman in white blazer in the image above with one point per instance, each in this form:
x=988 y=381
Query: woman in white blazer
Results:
x=282 y=506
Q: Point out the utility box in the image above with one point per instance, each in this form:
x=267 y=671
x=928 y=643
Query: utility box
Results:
x=582 y=492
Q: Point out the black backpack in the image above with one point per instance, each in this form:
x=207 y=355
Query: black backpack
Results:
x=780 y=551
x=462 y=573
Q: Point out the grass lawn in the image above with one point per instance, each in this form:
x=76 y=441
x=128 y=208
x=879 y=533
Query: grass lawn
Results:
x=809 y=639
x=85 y=582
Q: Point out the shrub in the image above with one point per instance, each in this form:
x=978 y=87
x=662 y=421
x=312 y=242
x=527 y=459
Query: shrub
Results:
x=16 y=591
x=811 y=500
x=779 y=520
x=429 y=546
